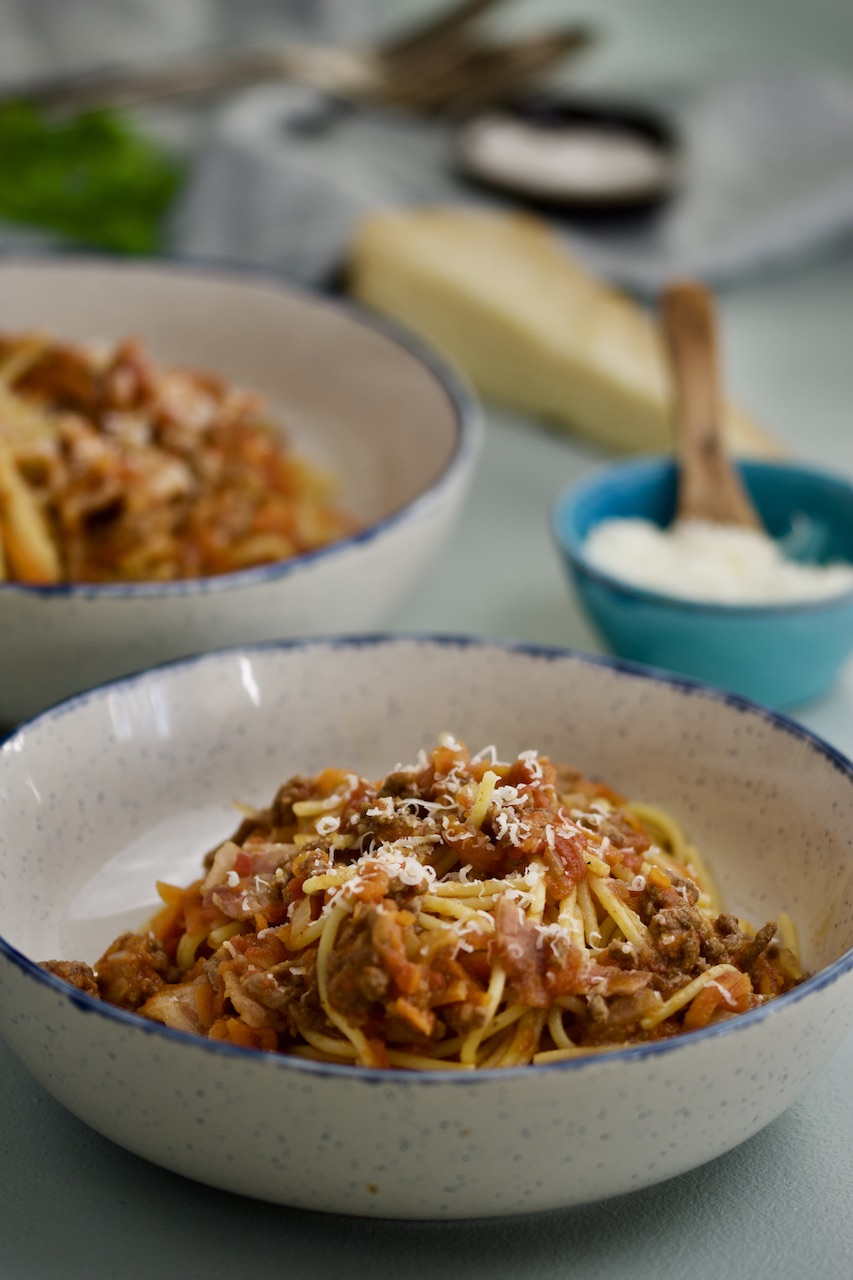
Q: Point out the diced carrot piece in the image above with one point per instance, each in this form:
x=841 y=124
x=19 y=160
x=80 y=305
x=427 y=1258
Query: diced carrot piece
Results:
x=203 y=992
x=170 y=893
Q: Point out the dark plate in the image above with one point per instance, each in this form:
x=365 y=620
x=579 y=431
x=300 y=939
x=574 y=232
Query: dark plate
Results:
x=573 y=155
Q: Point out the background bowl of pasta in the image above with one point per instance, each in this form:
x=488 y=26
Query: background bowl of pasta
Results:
x=194 y=457
x=528 y=931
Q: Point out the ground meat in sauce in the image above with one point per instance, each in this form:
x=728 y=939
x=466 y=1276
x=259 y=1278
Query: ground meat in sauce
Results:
x=76 y=973
x=133 y=969
x=408 y=994
x=401 y=973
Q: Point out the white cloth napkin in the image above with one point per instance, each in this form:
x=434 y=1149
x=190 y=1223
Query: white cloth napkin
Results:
x=767 y=176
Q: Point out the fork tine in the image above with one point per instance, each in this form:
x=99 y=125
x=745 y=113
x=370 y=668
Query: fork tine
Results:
x=483 y=75
x=494 y=78
x=435 y=32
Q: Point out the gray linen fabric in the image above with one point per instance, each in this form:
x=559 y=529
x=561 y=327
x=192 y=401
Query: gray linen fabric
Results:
x=767 y=177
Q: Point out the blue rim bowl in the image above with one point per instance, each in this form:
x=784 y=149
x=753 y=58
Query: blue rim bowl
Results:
x=780 y=654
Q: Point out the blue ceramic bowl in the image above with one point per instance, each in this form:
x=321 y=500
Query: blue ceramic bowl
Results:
x=779 y=654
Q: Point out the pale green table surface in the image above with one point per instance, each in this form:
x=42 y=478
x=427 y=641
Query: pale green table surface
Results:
x=73 y=1205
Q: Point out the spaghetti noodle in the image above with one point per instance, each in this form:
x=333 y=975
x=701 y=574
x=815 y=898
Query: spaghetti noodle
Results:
x=460 y=913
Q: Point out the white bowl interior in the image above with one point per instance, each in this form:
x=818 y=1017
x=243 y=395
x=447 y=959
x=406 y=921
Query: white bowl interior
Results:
x=376 y=408
x=348 y=394
x=136 y=781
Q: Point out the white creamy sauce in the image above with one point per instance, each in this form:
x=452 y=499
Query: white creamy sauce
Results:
x=581 y=158
x=699 y=560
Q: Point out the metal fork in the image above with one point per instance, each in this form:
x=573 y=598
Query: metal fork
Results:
x=445 y=65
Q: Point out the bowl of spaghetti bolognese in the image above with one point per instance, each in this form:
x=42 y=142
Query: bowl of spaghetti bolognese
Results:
x=194 y=456
x=529 y=930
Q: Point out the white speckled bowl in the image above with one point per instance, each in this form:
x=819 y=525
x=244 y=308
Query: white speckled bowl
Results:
x=135 y=780
x=353 y=393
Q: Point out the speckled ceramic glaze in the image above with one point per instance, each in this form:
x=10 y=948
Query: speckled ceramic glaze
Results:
x=354 y=394
x=133 y=781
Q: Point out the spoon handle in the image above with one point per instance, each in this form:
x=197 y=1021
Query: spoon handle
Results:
x=709 y=487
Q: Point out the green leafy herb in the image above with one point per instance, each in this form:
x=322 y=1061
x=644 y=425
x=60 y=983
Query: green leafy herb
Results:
x=91 y=177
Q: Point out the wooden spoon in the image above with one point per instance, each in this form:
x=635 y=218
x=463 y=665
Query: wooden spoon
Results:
x=709 y=487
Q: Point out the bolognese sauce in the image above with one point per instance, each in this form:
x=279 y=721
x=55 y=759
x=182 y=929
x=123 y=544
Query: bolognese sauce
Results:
x=115 y=470
x=461 y=912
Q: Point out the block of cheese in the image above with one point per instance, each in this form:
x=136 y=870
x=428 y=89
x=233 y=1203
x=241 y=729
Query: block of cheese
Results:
x=532 y=328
